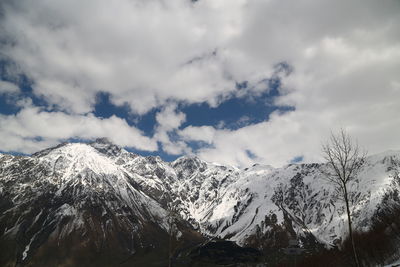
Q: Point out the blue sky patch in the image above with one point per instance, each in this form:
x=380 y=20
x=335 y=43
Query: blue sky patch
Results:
x=297 y=159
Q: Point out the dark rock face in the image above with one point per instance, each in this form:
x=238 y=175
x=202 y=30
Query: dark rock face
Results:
x=104 y=146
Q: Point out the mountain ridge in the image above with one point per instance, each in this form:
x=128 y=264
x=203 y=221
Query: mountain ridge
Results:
x=68 y=182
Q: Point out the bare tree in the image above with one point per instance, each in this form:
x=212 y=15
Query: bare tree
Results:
x=344 y=161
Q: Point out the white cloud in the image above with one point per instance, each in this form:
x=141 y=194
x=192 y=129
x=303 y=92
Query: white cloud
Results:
x=138 y=51
x=358 y=90
x=20 y=132
x=345 y=55
x=274 y=142
x=346 y=75
x=168 y=120
x=8 y=88
x=202 y=133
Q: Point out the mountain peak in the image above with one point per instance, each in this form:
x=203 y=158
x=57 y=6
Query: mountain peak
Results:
x=76 y=158
x=103 y=140
x=187 y=160
x=46 y=151
x=102 y=145
x=106 y=147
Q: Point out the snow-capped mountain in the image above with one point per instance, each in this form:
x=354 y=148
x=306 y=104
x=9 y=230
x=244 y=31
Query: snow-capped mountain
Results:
x=77 y=198
x=99 y=197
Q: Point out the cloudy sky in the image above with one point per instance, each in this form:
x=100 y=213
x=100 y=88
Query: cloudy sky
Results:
x=232 y=81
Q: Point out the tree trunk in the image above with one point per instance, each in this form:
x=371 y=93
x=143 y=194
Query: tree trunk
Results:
x=346 y=199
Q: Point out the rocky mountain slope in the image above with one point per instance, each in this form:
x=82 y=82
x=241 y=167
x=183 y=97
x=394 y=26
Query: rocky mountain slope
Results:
x=76 y=200
x=101 y=198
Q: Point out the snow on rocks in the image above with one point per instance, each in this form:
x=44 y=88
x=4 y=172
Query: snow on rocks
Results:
x=219 y=200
